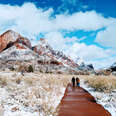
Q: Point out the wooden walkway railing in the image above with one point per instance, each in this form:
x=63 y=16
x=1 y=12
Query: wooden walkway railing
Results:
x=78 y=102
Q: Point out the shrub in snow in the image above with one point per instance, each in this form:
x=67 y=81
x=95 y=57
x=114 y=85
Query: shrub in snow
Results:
x=30 y=68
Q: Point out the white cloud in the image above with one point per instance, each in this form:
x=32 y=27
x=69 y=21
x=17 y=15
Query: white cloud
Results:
x=29 y=20
x=89 y=53
x=103 y=63
x=56 y=40
x=108 y=36
x=82 y=21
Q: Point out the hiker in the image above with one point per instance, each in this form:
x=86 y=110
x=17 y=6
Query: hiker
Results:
x=73 y=81
x=78 y=81
x=22 y=72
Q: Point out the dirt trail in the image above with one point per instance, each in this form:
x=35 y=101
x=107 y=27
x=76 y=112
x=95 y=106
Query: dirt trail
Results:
x=78 y=102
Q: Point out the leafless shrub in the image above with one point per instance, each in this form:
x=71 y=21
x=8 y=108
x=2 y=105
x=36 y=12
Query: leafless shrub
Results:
x=18 y=80
x=3 y=81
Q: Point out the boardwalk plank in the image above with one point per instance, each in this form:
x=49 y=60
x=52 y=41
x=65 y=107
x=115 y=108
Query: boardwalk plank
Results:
x=78 y=102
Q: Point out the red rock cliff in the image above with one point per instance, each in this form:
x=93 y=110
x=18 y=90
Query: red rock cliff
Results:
x=10 y=37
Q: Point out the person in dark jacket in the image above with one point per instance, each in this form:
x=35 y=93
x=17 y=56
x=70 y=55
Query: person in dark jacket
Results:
x=78 y=81
x=73 y=82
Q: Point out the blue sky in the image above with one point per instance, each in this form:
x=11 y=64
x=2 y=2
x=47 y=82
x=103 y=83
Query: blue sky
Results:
x=79 y=28
x=106 y=7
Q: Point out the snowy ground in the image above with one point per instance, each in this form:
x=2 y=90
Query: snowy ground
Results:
x=32 y=95
x=40 y=94
x=107 y=100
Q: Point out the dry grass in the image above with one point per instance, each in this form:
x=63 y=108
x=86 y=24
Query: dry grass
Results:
x=3 y=82
x=37 y=92
x=101 y=83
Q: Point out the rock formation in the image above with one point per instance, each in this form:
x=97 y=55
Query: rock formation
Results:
x=16 y=48
x=113 y=67
x=43 y=48
x=10 y=38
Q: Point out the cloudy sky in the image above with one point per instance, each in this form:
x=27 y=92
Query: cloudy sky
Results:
x=79 y=28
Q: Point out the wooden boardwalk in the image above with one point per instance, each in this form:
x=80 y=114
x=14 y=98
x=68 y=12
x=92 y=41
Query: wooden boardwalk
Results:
x=78 y=102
